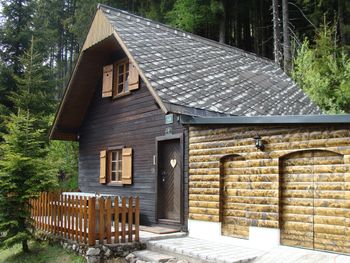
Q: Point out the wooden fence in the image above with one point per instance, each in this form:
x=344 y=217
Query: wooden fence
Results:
x=87 y=219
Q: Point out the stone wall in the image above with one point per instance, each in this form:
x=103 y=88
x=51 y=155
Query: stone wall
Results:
x=97 y=254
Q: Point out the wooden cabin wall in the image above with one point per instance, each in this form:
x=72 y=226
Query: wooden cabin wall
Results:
x=256 y=188
x=132 y=121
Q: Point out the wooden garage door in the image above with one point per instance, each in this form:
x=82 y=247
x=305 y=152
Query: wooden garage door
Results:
x=314 y=201
x=233 y=182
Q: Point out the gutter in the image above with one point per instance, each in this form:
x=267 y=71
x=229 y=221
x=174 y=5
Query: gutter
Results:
x=260 y=120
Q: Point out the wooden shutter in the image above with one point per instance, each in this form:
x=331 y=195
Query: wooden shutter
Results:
x=133 y=79
x=107 y=85
x=103 y=170
x=127 y=166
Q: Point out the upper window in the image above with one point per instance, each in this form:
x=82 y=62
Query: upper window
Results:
x=121 y=73
x=115 y=165
x=119 y=78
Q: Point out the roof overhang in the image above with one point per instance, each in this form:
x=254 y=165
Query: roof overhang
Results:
x=100 y=44
x=261 y=120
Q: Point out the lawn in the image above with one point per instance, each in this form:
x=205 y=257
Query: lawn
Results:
x=40 y=253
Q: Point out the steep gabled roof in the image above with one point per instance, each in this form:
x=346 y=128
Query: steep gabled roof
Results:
x=184 y=73
x=192 y=71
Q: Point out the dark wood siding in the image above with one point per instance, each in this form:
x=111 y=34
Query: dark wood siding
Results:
x=132 y=121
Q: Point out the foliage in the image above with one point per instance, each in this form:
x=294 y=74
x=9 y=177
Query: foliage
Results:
x=24 y=170
x=323 y=71
x=189 y=15
x=24 y=173
x=41 y=252
x=63 y=156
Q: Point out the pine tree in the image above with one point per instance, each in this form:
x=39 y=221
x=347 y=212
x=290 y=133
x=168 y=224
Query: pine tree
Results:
x=323 y=71
x=24 y=171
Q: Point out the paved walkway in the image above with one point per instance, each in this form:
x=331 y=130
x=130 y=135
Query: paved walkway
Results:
x=205 y=251
x=284 y=254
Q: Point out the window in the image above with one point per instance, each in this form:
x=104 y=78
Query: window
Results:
x=121 y=73
x=115 y=165
x=119 y=78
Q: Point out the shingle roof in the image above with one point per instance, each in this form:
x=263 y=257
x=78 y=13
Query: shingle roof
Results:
x=188 y=70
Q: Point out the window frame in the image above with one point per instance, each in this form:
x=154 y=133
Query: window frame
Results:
x=116 y=64
x=110 y=150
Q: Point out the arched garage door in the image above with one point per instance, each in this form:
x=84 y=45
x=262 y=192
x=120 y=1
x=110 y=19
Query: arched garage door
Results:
x=314 y=210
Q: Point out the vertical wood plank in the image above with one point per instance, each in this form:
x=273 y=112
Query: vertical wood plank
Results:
x=76 y=218
x=38 y=210
x=45 y=213
x=68 y=216
x=123 y=218
x=92 y=220
x=130 y=214
x=116 y=220
x=54 y=212
x=101 y=227
x=137 y=219
x=108 y=204
x=85 y=219
x=50 y=212
x=64 y=216
x=80 y=219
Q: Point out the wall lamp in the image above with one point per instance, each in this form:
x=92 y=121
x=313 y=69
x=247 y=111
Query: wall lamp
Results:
x=259 y=144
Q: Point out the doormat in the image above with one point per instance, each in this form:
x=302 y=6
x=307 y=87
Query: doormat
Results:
x=158 y=229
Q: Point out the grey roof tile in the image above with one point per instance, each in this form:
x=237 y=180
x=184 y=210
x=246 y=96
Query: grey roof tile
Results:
x=188 y=70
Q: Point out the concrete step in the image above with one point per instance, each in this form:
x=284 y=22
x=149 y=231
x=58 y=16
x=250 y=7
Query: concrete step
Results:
x=202 y=251
x=152 y=256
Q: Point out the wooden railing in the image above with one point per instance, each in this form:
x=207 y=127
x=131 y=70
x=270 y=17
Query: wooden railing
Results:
x=87 y=219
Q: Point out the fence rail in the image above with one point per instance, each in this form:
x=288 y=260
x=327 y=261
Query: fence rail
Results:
x=87 y=219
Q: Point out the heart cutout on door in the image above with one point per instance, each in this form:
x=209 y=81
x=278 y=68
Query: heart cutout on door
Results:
x=173 y=163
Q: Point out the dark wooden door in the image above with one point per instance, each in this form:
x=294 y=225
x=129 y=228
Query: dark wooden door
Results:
x=169 y=180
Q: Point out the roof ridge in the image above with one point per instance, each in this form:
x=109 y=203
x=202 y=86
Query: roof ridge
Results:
x=213 y=42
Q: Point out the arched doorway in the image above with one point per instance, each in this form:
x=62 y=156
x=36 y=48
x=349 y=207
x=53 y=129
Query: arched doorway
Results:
x=314 y=201
x=232 y=211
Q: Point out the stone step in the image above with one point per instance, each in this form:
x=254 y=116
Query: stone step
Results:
x=152 y=256
x=197 y=250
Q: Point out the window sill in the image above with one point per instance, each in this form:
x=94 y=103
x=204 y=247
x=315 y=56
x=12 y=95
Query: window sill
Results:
x=115 y=184
x=121 y=95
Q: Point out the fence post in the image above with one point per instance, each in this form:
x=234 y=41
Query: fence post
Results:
x=92 y=220
x=137 y=219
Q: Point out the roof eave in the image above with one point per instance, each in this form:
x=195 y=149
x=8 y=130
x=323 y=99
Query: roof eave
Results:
x=261 y=120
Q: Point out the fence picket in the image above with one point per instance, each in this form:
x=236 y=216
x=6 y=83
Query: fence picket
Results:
x=116 y=220
x=130 y=214
x=123 y=219
x=108 y=205
x=85 y=219
x=137 y=219
x=92 y=221
x=101 y=227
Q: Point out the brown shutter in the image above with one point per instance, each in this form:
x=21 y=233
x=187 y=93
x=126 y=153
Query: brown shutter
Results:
x=103 y=170
x=133 y=79
x=127 y=166
x=107 y=85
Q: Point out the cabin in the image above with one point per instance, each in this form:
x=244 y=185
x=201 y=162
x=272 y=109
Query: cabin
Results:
x=207 y=135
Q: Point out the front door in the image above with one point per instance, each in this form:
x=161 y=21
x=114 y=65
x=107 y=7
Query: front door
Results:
x=169 y=181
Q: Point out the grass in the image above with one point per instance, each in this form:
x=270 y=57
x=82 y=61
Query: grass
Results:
x=40 y=252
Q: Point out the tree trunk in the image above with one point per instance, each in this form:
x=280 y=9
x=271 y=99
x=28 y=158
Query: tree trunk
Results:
x=276 y=32
x=222 y=23
x=286 y=37
x=341 y=7
x=25 y=247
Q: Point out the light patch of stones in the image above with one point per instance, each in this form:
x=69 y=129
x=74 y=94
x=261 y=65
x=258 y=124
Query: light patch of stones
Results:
x=133 y=258
x=111 y=253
